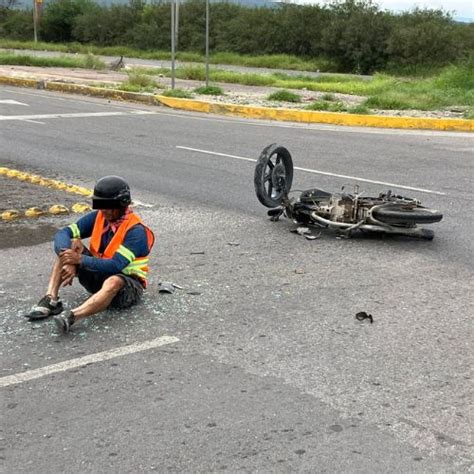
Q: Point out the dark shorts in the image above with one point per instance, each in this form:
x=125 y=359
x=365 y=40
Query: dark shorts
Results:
x=129 y=295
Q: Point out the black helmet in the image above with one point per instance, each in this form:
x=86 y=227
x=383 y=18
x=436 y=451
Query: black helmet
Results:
x=111 y=192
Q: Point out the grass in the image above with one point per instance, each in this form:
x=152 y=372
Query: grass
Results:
x=273 y=61
x=284 y=96
x=138 y=82
x=86 y=62
x=209 y=90
x=321 y=105
x=178 y=93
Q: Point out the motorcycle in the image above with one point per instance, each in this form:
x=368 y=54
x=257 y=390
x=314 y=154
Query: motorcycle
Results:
x=387 y=213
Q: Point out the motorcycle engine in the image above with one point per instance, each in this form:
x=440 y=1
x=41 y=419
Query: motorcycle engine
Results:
x=340 y=208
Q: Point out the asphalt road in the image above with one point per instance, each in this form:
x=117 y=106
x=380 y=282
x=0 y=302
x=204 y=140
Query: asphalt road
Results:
x=271 y=372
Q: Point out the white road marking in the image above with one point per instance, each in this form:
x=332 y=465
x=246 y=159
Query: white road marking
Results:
x=325 y=173
x=34 y=121
x=74 y=115
x=86 y=360
x=13 y=102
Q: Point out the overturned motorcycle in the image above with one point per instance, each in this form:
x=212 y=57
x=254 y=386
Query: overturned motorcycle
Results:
x=387 y=213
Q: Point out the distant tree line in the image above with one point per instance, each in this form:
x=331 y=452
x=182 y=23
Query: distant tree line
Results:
x=354 y=35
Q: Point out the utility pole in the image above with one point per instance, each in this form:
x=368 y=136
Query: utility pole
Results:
x=173 y=46
x=177 y=24
x=35 y=20
x=207 y=43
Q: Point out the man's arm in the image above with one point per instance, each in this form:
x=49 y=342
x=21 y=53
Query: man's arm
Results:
x=82 y=229
x=134 y=245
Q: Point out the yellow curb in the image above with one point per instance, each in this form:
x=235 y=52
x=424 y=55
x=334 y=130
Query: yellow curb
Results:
x=286 y=115
x=10 y=215
x=81 y=207
x=309 y=116
x=34 y=212
x=46 y=182
x=58 y=209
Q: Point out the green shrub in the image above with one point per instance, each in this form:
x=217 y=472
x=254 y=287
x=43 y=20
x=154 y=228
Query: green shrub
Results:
x=93 y=62
x=284 y=96
x=209 y=90
x=359 y=109
x=327 y=106
x=138 y=82
x=178 y=93
x=329 y=97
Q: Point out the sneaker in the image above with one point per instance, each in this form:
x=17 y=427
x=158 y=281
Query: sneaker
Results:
x=45 y=308
x=65 y=321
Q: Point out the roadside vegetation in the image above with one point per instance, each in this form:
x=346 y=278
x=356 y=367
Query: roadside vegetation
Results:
x=209 y=90
x=139 y=82
x=452 y=87
x=341 y=36
x=88 y=61
x=284 y=96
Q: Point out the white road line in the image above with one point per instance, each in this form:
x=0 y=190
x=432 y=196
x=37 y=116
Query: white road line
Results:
x=12 y=102
x=34 y=121
x=86 y=360
x=74 y=115
x=325 y=173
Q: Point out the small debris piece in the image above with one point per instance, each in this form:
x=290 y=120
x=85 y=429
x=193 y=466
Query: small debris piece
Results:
x=193 y=292
x=363 y=315
x=299 y=271
x=166 y=287
x=198 y=252
x=312 y=236
x=233 y=244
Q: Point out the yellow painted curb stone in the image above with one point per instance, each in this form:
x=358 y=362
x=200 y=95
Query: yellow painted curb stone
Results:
x=58 y=209
x=34 y=212
x=80 y=207
x=10 y=215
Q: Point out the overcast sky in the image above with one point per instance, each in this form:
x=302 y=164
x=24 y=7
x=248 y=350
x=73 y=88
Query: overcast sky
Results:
x=462 y=8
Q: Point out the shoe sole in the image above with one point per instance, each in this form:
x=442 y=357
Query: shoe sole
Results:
x=38 y=316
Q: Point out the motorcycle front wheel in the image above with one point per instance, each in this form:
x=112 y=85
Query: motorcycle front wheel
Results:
x=273 y=175
x=400 y=215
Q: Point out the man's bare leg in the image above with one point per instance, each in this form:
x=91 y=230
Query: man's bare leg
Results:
x=100 y=300
x=55 y=280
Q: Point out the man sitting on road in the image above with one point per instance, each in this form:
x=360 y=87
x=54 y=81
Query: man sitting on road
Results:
x=114 y=268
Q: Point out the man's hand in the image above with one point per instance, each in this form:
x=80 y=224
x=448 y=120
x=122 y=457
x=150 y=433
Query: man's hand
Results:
x=70 y=257
x=68 y=272
x=77 y=245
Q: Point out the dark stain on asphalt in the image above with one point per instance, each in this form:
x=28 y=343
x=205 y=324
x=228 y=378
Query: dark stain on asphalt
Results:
x=12 y=236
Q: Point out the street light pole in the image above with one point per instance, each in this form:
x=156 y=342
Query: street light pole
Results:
x=207 y=43
x=173 y=46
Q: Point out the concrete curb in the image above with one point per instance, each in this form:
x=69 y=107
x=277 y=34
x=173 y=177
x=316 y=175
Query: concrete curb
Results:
x=79 y=89
x=286 y=115
x=308 y=116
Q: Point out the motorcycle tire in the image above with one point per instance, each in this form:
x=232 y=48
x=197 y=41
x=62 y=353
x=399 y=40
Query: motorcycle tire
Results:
x=273 y=175
x=400 y=215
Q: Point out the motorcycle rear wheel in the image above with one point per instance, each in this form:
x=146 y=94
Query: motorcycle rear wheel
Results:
x=405 y=216
x=273 y=175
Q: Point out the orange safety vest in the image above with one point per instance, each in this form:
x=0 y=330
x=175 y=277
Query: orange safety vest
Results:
x=138 y=266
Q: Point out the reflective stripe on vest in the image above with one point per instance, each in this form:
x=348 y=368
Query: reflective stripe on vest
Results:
x=138 y=266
